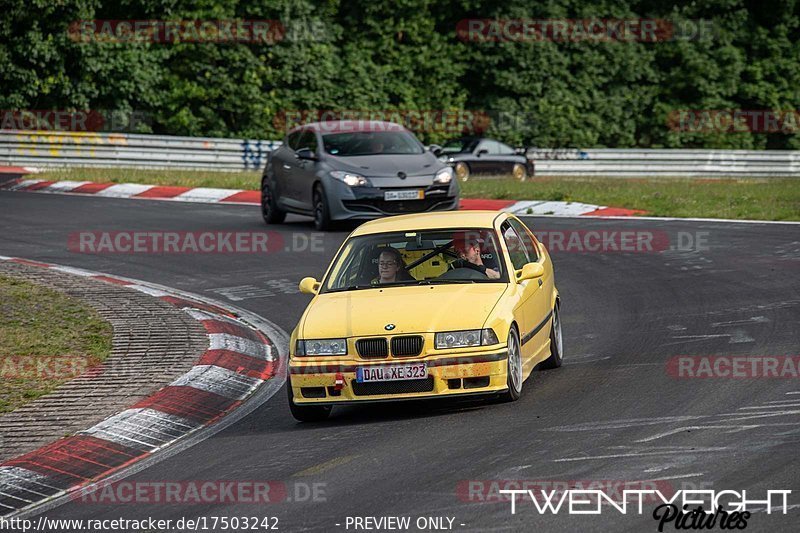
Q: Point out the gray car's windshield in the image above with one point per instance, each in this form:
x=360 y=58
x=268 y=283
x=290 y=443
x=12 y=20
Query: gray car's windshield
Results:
x=371 y=143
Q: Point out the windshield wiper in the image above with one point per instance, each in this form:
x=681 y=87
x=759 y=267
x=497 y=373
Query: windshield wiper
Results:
x=432 y=281
x=351 y=288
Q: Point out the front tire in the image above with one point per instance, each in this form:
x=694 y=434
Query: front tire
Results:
x=307 y=413
x=513 y=368
x=322 y=215
x=556 y=343
x=270 y=211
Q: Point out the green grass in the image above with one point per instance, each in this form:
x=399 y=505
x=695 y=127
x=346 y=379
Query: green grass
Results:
x=39 y=326
x=737 y=198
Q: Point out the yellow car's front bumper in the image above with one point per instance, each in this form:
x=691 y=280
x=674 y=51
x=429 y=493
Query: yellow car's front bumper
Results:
x=451 y=374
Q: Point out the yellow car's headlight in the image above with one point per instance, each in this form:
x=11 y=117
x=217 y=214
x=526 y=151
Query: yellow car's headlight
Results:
x=321 y=347
x=465 y=338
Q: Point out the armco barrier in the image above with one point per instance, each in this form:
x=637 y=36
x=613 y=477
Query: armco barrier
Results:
x=666 y=162
x=54 y=149
x=59 y=149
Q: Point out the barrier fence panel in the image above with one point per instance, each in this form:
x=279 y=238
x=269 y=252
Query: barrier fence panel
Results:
x=61 y=149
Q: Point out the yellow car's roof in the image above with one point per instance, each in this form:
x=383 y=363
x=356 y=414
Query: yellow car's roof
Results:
x=436 y=220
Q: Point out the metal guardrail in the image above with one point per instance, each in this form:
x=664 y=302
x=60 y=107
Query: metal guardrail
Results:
x=666 y=162
x=59 y=149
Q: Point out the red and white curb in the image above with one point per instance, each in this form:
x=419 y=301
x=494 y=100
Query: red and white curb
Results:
x=243 y=197
x=135 y=190
x=19 y=170
x=545 y=207
x=242 y=361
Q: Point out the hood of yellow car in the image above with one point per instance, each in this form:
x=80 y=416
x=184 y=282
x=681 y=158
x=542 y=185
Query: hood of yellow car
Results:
x=412 y=309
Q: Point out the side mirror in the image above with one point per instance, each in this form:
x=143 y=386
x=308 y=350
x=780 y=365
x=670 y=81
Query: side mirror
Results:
x=306 y=154
x=481 y=152
x=309 y=286
x=530 y=271
x=435 y=148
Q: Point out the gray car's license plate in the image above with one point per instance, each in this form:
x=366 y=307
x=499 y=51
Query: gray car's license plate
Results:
x=408 y=194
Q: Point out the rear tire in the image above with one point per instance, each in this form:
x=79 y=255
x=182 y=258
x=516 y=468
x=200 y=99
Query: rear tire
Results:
x=556 y=343
x=462 y=171
x=307 y=413
x=270 y=211
x=322 y=215
x=513 y=368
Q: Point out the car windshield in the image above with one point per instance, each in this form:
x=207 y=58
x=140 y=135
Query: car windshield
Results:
x=457 y=146
x=371 y=143
x=427 y=257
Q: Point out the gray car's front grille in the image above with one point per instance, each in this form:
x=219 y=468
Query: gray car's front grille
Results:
x=405 y=206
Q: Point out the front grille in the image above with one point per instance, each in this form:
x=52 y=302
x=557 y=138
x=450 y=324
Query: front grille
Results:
x=393 y=387
x=396 y=207
x=372 y=348
x=407 y=346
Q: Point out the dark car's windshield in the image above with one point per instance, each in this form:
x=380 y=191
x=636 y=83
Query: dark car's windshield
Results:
x=457 y=146
x=371 y=143
x=419 y=257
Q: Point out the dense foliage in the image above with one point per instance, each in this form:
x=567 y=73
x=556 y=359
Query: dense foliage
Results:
x=407 y=55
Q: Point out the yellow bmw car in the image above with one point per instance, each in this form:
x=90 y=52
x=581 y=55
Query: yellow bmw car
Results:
x=426 y=305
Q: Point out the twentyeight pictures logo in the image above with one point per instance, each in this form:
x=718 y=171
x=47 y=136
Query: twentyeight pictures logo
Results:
x=685 y=509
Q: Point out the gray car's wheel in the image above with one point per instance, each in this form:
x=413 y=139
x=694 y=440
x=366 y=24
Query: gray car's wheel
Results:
x=462 y=171
x=556 y=343
x=514 y=368
x=307 y=413
x=270 y=211
x=322 y=215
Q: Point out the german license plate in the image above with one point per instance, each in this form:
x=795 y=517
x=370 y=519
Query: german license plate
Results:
x=369 y=374
x=412 y=194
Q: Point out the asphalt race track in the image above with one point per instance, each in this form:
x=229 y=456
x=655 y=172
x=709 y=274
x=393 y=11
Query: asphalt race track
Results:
x=611 y=413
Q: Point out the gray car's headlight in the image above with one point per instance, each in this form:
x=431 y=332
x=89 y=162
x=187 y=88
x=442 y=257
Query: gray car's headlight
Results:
x=465 y=338
x=321 y=347
x=350 y=178
x=444 y=176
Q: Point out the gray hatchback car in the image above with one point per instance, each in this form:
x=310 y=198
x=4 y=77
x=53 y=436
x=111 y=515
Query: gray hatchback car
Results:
x=346 y=170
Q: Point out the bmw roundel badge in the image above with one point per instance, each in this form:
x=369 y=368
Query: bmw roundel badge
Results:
x=389 y=327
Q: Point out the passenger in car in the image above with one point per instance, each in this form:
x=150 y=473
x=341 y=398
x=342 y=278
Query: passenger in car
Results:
x=391 y=267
